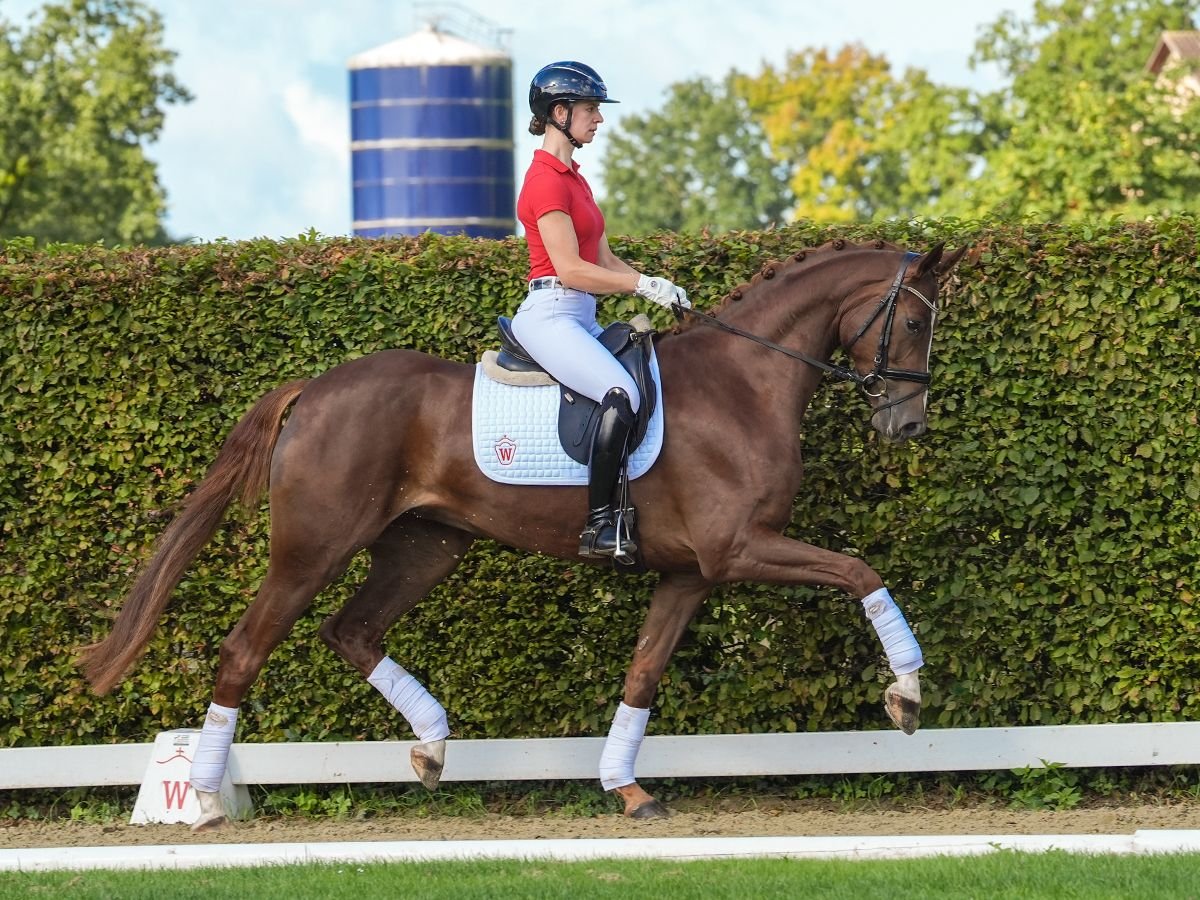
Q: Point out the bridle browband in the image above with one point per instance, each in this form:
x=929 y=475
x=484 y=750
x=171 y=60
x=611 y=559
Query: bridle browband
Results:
x=877 y=377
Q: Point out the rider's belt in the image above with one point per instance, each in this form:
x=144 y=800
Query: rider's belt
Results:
x=542 y=284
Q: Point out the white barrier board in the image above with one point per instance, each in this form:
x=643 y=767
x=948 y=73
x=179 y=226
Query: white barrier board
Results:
x=661 y=756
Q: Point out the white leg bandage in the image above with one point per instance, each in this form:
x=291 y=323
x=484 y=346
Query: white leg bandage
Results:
x=621 y=748
x=424 y=715
x=903 y=651
x=212 y=750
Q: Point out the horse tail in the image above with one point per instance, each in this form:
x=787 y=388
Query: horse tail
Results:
x=241 y=472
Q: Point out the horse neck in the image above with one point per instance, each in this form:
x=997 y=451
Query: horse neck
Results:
x=798 y=308
x=763 y=391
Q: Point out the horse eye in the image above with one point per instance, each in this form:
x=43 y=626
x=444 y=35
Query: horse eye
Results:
x=914 y=326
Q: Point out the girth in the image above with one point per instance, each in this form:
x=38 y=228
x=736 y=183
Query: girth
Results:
x=577 y=415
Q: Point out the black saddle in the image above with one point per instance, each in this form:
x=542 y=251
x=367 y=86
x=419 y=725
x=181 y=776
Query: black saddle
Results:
x=577 y=415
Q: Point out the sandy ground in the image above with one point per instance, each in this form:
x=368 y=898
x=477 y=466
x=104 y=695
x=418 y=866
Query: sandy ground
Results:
x=800 y=818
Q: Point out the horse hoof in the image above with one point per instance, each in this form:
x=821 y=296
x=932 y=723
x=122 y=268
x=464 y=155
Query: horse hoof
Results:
x=202 y=824
x=902 y=703
x=428 y=760
x=212 y=812
x=651 y=809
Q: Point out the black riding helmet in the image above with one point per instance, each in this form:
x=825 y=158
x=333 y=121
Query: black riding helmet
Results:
x=565 y=81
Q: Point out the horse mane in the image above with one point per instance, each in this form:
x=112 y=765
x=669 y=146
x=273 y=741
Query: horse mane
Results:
x=772 y=268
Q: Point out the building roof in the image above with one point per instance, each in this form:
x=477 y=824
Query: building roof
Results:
x=1174 y=46
x=427 y=47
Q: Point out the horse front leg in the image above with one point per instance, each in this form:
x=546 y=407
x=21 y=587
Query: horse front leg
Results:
x=673 y=605
x=901 y=698
x=767 y=556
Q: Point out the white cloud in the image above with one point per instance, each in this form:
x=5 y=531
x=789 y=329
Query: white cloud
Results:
x=323 y=126
x=322 y=122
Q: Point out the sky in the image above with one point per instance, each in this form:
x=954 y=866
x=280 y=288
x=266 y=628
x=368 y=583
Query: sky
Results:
x=264 y=148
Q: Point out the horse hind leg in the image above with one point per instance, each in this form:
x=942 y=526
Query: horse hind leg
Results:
x=408 y=560
x=287 y=590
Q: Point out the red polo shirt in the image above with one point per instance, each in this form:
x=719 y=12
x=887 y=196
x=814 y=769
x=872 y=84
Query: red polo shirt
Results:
x=550 y=185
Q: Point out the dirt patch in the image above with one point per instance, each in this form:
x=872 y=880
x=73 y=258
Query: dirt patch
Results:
x=777 y=819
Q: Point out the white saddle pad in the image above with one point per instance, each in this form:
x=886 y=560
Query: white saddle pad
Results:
x=515 y=434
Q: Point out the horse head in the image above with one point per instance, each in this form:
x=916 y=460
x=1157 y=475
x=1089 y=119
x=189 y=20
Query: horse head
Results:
x=887 y=329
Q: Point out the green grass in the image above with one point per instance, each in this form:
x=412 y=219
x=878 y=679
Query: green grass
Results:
x=999 y=875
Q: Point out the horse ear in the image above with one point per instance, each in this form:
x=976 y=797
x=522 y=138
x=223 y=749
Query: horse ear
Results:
x=949 y=262
x=934 y=261
x=929 y=260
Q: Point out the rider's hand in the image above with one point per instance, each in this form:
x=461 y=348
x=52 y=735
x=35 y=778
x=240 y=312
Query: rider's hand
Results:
x=662 y=291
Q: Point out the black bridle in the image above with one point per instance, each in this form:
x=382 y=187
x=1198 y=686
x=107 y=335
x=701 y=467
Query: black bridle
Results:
x=887 y=308
x=874 y=383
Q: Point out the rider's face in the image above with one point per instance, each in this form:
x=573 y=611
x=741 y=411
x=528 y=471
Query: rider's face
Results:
x=585 y=119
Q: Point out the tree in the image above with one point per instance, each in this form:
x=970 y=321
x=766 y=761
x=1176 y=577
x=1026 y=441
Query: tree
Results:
x=702 y=162
x=81 y=91
x=860 y=143
x=1103 y=42
x=1080 y=131
x=1083 y=131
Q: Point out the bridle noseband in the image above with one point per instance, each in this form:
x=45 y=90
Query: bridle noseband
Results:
x=874 y=383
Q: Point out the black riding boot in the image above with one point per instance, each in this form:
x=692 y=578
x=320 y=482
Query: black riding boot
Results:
x=599 y=537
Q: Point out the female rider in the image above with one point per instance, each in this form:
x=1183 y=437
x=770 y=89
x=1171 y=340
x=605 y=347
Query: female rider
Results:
x=569 y=264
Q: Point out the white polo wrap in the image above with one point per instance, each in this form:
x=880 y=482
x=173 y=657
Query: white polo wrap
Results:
x=621 y=748
x=212 y=750
x=424 y=714
x=903 y=651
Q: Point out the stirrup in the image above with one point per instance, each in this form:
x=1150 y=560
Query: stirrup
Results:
x=622 y=551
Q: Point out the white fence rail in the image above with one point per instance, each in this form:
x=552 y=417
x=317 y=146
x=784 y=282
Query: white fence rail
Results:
x=700 y=756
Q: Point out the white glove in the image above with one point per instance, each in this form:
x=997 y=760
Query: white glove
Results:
x=662 y=291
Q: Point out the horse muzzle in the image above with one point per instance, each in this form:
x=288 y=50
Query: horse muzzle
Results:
x=901 y=419
x=897 y=428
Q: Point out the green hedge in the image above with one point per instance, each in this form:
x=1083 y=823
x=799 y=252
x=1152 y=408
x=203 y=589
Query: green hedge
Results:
x=1041 y=538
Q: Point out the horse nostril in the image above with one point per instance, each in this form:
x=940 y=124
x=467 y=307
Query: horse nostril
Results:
x=911 y=430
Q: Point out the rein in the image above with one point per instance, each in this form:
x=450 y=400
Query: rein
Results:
x=877 y=376
x=842 y=373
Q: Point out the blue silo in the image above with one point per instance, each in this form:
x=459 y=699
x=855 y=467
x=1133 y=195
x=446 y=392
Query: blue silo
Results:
x=432 y=138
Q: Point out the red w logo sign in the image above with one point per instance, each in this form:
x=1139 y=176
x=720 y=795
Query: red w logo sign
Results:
x=506 y=450
x=176 y=792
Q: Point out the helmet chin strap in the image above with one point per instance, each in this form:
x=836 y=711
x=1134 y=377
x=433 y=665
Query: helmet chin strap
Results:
x=565 y=128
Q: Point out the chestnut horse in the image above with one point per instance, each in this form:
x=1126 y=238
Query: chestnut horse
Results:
x=352 y=469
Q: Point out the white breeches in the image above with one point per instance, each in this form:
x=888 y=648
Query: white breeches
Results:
x=558 y=327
